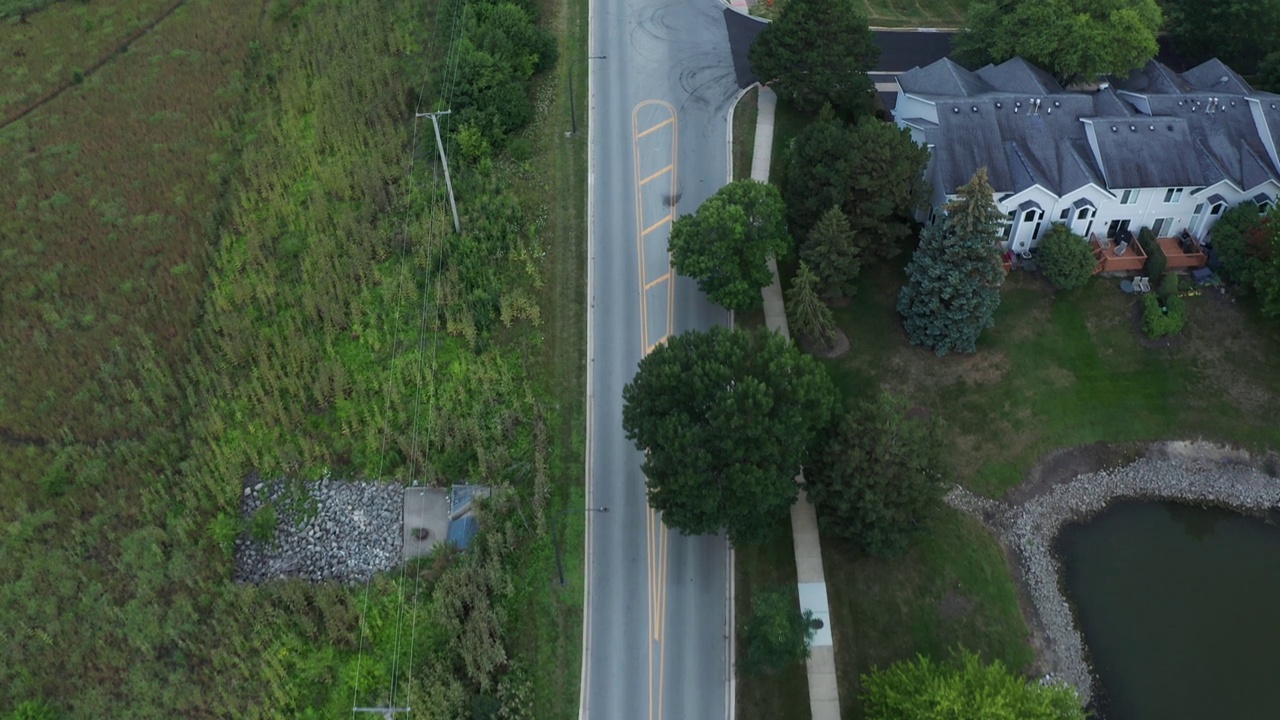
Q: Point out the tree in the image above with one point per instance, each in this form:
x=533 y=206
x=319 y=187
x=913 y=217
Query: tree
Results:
x=964 y=689
x=725 y=418
x=1248 y=248
x=832 y=254
x=879 y=477
x=776 y=634
x=1071 y=39
x=726 y=244
x=1240 y=33
x=810 y=318
x=871 y=170
x=1065 y=258
x=1269 y=73
x=954 y=278
x=817 y=52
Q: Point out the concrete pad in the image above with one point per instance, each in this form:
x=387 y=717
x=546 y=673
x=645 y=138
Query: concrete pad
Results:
x=425 y=508
x=813 y=598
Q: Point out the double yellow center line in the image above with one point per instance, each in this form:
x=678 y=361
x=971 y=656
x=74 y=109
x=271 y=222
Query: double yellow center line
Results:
x=655 y=133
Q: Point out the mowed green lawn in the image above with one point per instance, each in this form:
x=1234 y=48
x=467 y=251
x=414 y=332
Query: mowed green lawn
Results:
x=891 y=13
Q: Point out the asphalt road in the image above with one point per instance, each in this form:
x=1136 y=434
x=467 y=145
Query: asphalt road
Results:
x=656 y=638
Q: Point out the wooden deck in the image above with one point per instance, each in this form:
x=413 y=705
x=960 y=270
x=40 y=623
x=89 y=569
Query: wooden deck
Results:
x=1107 y=261
x=1178 y=258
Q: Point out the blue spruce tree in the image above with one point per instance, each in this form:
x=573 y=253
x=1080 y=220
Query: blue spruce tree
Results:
x=953 y=280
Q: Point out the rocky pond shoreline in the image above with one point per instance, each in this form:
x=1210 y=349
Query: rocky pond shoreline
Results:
x=1067 y=488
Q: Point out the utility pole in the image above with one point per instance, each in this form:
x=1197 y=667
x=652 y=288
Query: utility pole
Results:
x=435 y=122
x=573 y=109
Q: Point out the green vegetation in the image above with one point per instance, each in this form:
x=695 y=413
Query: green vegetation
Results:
x=950 y=589
x=1074 y=40
x=1065 y=258
x=871 y=170
x=808 y=317
x=816 y=53
x=761 y=567
x=725 y=418
x=954 y=277
x=880 y=476
x=1240 y=33
x=1163 y=316
x=833 y=254
x=727 y=243
x=231 y=263
x=776 y=635
x=967 y=688
x=1249 y=248
x=889 y=13
x=1156 y=262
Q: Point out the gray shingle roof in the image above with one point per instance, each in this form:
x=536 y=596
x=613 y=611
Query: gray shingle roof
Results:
x=988 y=119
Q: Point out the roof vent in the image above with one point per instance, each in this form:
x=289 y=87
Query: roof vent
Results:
x=955 y=109
x=1133 y=128
x=1017 y=104
x=1273 y=106
x=1113 y=128
x=1057 y=104
x=1224 y=79
x=1151 y=127
x=974 y=108
x=999 y=105
x=1233 y=103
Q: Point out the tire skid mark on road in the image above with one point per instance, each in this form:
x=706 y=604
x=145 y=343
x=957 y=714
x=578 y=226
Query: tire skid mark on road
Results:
x=656 y=534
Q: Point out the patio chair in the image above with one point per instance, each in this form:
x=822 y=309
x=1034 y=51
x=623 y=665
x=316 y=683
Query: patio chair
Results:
x=1142 y=284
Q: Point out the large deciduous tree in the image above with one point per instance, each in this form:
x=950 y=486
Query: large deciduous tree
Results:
x=871 y=170
x=1071 y=39
x=954 y=278
x=725 y=418
x=776 y=633
x=880 y=476
x=1248 y=246
x=726 y=244
x=818 y=52
x=962 y=689
x=833 y=255
x=1240 y=33
x=1065 y=258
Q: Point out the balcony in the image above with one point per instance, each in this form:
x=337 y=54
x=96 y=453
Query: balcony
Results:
x=1183 y=251
x=1117 y=257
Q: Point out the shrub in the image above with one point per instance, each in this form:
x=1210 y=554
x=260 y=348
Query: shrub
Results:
x=1156 y=261
x=263 y=525
x=777 y=634
x=1169 y=285
x=520 y=149
x=1065 y=258
x=1162 y=320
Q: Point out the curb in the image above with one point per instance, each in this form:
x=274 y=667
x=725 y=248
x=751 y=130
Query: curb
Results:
x=591 y=364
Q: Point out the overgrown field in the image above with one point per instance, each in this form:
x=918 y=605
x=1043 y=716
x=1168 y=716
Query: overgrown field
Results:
x=245 y=268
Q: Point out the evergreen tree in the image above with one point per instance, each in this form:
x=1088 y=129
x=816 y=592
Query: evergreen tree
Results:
x=810 y=318
x=832 y=254
x=954 y=278
x=1065 y=258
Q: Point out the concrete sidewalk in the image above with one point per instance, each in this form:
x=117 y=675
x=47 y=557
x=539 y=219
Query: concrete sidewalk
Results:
x=824 y=697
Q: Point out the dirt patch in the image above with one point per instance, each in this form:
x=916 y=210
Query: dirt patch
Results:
x=817 y=349
x=955 y=605
x=1064 y=465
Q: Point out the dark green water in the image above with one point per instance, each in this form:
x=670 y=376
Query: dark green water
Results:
x=1180 y=608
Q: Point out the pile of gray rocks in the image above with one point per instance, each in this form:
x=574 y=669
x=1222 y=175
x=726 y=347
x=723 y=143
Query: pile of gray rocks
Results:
x=355 y=531
x=1196 y=473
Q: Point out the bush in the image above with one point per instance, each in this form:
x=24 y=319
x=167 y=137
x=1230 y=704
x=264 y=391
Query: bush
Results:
x=777 y=634
x=1065 y=258
x=1169 y=285
x=1162 y=320
x=1156 y=261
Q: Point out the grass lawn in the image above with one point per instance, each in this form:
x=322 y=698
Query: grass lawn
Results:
x=744 y=133
x=554 y=181
x=770 y=565
x=891 y=13
x=1067 y=369
x=951 y=588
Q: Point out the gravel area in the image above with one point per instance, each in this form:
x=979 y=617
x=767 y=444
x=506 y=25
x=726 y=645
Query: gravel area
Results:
x=354 y=533
x=1193 y=472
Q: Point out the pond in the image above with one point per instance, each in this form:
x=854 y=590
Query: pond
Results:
x=1180 y=609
